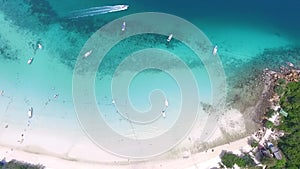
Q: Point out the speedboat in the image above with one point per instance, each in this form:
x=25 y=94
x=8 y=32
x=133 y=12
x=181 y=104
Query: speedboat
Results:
x=123 y=26
x=117 y=8
x=215 y=50
x=124 y=7
x=170 y=37
x=30 y=112
x=30 y=61
x=88 y=53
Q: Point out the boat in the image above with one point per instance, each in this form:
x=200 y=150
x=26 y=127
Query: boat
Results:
x=166 y=103
x=170 y=37
x=39 y=46
x=123 y=26
x=163 y=113
x=117 y=8
x=88 y=53
x=30 y=112
x=30 y=61
x=290 y=64
x=215 y=50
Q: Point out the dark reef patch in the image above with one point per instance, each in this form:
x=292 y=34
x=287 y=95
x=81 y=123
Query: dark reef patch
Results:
x=42 y=10
x=33 y=15
x=7 y=52
x=88 y=25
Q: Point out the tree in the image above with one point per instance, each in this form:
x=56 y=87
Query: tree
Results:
x=268 y=161
x=269 y=124
x=254 y=144
x=270 y=113
x=289 y=144
x=228 y=159
x=14 y=164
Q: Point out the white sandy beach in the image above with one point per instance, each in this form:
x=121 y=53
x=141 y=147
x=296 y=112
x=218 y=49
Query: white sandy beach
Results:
x=53 y=136
x=201 y=160
x=60 y=146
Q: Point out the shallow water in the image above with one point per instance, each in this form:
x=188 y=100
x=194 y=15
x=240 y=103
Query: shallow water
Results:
x=250 y=36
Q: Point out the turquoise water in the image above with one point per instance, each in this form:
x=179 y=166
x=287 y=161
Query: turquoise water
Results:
x=250 y=35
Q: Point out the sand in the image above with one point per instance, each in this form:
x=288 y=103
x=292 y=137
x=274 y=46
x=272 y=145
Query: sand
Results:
x=75 y=150
x=203 y=160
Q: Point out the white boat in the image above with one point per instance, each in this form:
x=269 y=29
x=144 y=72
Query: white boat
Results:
x=40 y=46
x=215 y=50
x=117 y=8
x=124 y=26
x=30 y=112
x=166 y=103
x=88 y=53
x=290 y=64
x=163 y=113
x=30 y=61
x=170 y=37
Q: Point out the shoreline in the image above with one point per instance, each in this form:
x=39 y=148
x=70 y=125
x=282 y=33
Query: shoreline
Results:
x=222 y=143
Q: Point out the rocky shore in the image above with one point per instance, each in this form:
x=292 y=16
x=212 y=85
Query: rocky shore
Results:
x=269 y=98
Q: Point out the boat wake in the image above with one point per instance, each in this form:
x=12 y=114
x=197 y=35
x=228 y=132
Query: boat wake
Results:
x=96 y=11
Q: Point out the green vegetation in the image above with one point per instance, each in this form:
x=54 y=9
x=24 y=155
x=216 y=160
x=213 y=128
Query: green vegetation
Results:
x=254 y=144
x=290 y=143
x=270 y=113
x=281 y=81
x=13 y=164
x=229 y=159
x=269 y=124
x=268 y=161
x=279 y=89
x=280 y=163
